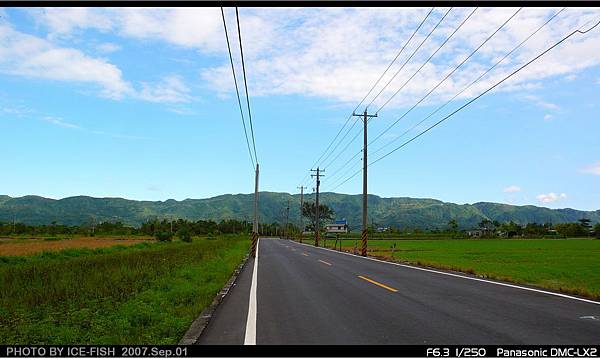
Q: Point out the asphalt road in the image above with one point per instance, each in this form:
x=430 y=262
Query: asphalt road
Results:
x=307 y=295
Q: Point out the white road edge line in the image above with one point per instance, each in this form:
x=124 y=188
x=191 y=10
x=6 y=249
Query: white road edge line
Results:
x=250 y=337
x=460 y=276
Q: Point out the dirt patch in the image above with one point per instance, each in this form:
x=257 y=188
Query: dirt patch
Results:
x=22 y=248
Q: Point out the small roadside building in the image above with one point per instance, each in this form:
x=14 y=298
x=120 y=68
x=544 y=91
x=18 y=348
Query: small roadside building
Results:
x=340 y=226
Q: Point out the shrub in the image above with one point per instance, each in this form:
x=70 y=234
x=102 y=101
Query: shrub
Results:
x=184 y=234
x=164 y=236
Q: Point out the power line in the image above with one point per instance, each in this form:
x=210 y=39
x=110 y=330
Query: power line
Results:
x=343 y=149
x=236 y=88
x=486 y=91
x=343 y=174
x=415 y=51
x=409 y=58
x=401 y=67
x=245 y=82
x=474 y=81
x=344 y=182
x=427 y=61
x=476 y=98
x=365 y=97
x=447 y=76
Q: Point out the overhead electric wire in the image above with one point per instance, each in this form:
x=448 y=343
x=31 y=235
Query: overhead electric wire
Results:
x=237 y=90
x=344 y=175
x=472 y=82
x=422 y=42
x=331 y=176
x=368 y=93
x=427 y=61
x=245 y=82
x=578 y=31
x=409 y=58
x=343 y=149
x=447 y=76
x=488 y=90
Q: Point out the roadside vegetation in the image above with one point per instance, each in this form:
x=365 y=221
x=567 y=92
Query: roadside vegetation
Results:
x=146 y=293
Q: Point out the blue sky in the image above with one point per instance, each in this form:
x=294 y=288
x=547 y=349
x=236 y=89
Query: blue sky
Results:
x=140 y=103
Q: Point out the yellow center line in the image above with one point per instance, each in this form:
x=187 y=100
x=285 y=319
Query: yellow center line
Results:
x=378 y=284
x=325 y=262
x=305 y=254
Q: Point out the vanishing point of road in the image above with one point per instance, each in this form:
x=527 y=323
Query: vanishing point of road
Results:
x=301 y=294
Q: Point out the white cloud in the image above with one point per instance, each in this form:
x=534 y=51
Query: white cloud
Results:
x=512 y=189
x=30 y=56
x=62 y=21
x=571 y=77
x=18 y=110
x=182 y=111
x=551 y=197
x=593 y=169
x=548 y=117
x=323 y=52
x=170 y=89
x=538 y=101
x=108 y=47
x=59 y=122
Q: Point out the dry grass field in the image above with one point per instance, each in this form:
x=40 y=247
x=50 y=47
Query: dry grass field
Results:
x=24 y=247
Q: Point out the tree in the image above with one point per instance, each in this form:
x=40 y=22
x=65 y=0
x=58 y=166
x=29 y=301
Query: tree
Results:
x=163 y=236
x=485 y=223
x=571 y=229
x=453 y=225
x=184 y=234
x=325 y=213
x=585 y=224
x=512 y=229
x=597 y=230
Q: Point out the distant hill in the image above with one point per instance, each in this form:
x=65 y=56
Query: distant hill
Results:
x=403 y=212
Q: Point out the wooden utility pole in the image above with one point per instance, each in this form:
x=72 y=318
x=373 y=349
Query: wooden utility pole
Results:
x=255 y=224
x=318 y=176
x=365 y=223
x=301 y=206
x=287 y=221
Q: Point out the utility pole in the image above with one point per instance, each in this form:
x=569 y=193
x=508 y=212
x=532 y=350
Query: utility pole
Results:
x=255 y=225
x=287 y=220
x=318 y=176
x=301 y=206
x=365 y=223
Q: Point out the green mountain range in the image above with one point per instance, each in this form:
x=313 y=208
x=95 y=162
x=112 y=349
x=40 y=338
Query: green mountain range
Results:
x=397 y=212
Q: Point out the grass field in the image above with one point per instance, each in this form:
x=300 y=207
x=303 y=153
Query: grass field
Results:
x=567 y=265
x=145 y=293
x=20 y=247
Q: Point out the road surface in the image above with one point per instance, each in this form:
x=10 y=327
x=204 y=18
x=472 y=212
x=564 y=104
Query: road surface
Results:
x=308 y=295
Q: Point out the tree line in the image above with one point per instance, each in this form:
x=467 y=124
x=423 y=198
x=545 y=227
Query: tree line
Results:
x=151 y=227
x=165 y=228
x=581 y=228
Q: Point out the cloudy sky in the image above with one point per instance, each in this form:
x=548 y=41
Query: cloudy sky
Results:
x=140 y=103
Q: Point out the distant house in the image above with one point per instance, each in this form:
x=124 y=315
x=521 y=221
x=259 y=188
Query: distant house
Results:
x=474 y=233
x=340 y=226
x=383 y=229
x=480 y=232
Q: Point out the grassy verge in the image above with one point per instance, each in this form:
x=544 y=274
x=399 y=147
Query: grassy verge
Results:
x=145 y=293
x=566 y=265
